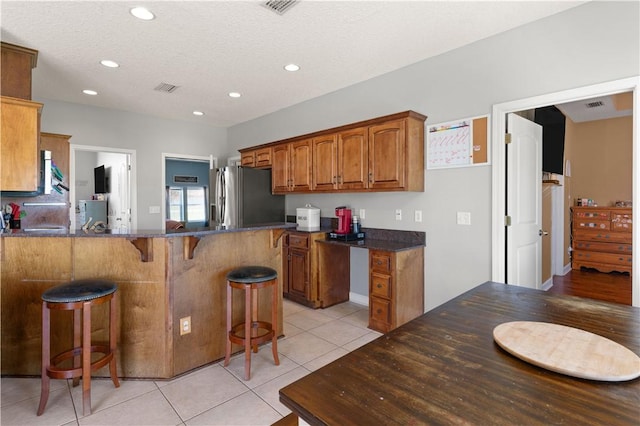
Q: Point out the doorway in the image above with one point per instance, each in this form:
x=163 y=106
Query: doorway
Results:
x=186 y=201
x=499 y=161
x=120 y=195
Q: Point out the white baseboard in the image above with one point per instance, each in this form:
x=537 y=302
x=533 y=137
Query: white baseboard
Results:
x=359 y=299
x=567 y=268
x=547 y=284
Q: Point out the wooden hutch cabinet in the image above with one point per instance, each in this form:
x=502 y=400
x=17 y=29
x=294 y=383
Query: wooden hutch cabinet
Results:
x=601 y=238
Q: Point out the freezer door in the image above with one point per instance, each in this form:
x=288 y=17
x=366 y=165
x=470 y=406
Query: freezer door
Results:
x=256 y=203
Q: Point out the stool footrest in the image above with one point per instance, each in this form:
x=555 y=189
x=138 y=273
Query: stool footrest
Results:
x=236 y=337
x=68 y=373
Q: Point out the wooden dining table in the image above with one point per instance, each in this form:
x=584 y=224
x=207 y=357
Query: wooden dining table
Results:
x=445 y=368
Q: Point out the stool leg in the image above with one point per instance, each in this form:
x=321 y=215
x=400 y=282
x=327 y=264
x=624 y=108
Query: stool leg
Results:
x=247 y=333
x=86 y=359
x=77 y=341
x=113 y=370
x=46 y=358
x=274 y=321
x=254 y=317
x=229 y=318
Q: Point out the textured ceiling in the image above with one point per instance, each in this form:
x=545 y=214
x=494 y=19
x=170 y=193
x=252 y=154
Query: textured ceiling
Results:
x=210 y=48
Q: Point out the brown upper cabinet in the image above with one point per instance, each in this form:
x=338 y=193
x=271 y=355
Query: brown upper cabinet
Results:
x=257 y=158
x=19 y=144
x=382 y=154
x=291 y=168
x=15 y=67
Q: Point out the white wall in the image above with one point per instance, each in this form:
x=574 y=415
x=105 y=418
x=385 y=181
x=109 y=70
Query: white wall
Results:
x=149 y=136
x=592 y=43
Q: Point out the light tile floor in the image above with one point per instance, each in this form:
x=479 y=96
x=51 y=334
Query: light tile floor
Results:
x=212 y=395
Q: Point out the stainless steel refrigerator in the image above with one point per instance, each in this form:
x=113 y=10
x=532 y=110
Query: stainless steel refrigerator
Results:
x=242 y=196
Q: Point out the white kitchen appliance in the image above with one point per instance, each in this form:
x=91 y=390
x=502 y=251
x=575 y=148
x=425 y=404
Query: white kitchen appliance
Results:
x=308 y=218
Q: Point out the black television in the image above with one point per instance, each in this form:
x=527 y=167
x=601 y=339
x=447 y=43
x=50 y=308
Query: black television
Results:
x=100 y=180
x=552 y=121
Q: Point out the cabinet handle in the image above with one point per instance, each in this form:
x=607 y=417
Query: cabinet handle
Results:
x=370 y=177
x=379 y=285
x=379 y=311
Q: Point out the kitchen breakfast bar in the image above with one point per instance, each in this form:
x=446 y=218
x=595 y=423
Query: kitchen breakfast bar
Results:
x=161 y=277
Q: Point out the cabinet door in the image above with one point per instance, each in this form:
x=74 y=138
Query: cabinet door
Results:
x=263 y=157
x=280 y=170
x=248 y=159
x=20 y=159
x=325 y=163
x=300 y=168
x=352 y=159
x=298 y=273
x=387 y=155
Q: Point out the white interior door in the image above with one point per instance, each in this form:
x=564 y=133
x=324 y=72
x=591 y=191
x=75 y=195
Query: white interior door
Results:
x=524 y=203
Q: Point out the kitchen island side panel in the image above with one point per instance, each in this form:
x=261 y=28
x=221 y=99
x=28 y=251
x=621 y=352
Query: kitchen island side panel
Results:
x=144 y=345
x=28 y=267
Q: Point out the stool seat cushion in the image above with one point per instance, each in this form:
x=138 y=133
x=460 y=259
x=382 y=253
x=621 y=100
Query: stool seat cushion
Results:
x=252 y=274
x=79 y=291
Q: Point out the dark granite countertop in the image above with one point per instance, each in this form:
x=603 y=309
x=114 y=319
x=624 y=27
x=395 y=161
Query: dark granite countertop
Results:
x=195 y=232
x=370 y=243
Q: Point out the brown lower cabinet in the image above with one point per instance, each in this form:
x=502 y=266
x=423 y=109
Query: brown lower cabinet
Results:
x=396 y=287
x=314 y=275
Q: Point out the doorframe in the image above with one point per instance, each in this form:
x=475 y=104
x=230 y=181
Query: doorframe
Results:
x=213 y=163
x=498 y=154
x=133 y=184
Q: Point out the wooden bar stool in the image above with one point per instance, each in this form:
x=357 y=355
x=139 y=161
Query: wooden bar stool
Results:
x=250 y=279
x=78 y=296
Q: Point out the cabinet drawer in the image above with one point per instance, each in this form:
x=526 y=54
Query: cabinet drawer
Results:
x=598 y=257
x=380 y=310
x=380 y=285
x=592 y=214
x=300 y=241
x=605 y=247
x=592 y=224
x=593 y=235
x=621 y=221
x=380 y=261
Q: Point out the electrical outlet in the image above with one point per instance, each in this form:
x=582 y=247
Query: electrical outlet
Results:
x=185 y=325
x=362 y=213
x=417 y=216
x=398 y=214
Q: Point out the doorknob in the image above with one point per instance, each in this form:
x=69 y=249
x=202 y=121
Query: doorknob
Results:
x=542 y=233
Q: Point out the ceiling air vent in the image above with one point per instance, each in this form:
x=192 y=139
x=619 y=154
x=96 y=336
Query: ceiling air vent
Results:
x=594 y=104
x=279 y=6
x=165 y=87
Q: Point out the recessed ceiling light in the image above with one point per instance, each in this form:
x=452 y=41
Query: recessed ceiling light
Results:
x=234 y=94
x=142 y=13
x=89 y=92
x=292 y=67
x=198 y=113
x=109 y=64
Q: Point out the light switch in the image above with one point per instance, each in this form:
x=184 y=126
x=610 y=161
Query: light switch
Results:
x=154 y=209
x=464 y=218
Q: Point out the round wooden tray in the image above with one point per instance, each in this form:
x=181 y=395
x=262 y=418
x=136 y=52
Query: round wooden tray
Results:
x=568 y=350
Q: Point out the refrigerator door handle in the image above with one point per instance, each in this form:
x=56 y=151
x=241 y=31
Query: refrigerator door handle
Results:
x=221 y=195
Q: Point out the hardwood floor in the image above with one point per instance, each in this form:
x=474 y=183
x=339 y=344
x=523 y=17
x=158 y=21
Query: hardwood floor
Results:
x=613 y=287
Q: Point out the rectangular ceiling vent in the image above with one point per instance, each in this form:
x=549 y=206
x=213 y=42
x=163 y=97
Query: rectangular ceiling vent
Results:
x=165 y=87
x=595 y=104
x=279 y=6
